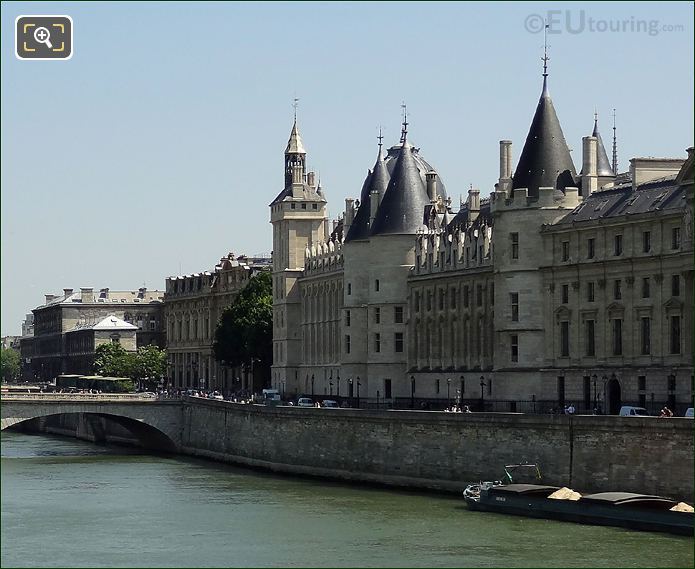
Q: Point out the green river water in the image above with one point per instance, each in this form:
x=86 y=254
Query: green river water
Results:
x=68 y=503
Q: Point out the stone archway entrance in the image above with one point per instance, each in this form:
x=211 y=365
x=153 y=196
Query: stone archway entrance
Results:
x=613 y=398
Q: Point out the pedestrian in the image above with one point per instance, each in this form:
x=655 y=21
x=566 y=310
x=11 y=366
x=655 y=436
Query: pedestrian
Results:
x=571 y=409
x=666 y=412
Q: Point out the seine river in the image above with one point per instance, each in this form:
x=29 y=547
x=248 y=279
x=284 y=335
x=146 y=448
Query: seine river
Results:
x=67 y=503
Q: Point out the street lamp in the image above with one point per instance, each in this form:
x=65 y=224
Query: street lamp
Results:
x=412 y=392
x=283 y=388
x=338 y=380
x=448 y=389
x=358 y=391
x=330 y=385
x=312 y=385
x=482 y=393
x=533 y=398
x=377 y=399
x=605 y=380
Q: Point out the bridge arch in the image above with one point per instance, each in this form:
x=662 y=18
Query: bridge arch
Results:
x=155 y=425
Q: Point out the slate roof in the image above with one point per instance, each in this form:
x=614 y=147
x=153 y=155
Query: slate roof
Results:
x=377 y=179
x=658 y=195
x=463 y=215
x=402 y=210
x=603 y=166
x=545 y=160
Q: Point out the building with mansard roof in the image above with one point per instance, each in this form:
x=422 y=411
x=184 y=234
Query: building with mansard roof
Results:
x=560 y=287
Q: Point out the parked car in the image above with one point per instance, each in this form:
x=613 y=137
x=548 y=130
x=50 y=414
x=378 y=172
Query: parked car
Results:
x=216 y=395
x=689 y=412
x=330 y=403
x=305 y=402
x=628 y=411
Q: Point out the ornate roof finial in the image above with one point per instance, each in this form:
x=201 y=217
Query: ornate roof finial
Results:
x=295 y=104
x=595 y=117
x=404 y=129
x=615 y=148
x=380 y=138
x=545 y=57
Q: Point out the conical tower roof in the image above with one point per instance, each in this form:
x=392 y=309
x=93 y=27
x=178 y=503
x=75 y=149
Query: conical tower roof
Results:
x=402 y=209
x=603 y=166
x=377 y=179
x=545 y=160
x=294 y=144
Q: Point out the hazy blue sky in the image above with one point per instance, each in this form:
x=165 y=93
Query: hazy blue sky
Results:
x=159 y=145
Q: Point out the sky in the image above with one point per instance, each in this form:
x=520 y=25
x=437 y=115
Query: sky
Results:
x=156 y=149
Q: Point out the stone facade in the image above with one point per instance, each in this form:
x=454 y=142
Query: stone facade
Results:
x=51 y=351
x=487 y=305
x=193 y=305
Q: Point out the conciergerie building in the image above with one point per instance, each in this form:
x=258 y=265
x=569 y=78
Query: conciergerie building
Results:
x=562 y=286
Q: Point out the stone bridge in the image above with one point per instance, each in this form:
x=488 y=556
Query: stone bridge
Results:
x=154 y=422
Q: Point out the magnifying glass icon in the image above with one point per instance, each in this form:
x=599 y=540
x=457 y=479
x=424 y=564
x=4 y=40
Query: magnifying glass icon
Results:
x=42 y=35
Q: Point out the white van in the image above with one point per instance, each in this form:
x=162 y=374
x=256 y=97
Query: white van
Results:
x=627 y=411
x=271 y=397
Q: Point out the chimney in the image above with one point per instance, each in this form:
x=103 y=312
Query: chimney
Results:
x=505 y=181
x=431 y=178
x=473 y=203
x=373 y=205
x=349 y=215
x=311 y=179
x=87 y=295
x=67 y=292
x=589 y=165
x=49 y=298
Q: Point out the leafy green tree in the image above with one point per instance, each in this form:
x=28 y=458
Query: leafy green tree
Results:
x=150 y=366
x=244 y=333
x=10 y=362
x=111 y=360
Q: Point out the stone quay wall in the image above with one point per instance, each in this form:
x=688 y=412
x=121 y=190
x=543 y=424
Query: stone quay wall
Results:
x=445 y=451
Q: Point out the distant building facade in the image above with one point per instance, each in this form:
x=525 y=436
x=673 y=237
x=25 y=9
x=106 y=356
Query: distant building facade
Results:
x=68 y=327
x=560 y=287
x=193 y=305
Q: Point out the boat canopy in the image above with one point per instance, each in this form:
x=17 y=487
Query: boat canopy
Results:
x=526 y=489
x=630 y=499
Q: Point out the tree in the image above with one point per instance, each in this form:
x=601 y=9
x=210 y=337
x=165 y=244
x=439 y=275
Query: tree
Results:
x=10 y=363
x=111 y=360
x=150 y=366
x=244 y=334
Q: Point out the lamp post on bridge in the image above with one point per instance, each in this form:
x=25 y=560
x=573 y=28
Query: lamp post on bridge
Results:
x=412 y=392
x=482 y=393
x=312 y=386
x=448 y=394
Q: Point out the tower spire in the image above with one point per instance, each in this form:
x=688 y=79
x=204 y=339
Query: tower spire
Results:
x=545 y=59
x=295 y=104
x=615 y=148
x=404 y=128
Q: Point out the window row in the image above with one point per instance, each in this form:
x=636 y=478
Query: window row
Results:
x=616 y=331
x=398 y=342
x=444 y=298
x=590 y=248
x=645 y=289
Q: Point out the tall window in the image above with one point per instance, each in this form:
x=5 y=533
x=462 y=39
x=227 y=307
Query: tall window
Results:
x=417 y=302
x=645 y=287
x=565 y=250
x=398 y=315
x=565 y=293
x=466 y=300
x=377 y=315
x=479 y=295
x=347 y=318
x=617 y=289
x=564 y=338
x=398 y=341
x=514 y=301
x=442 y=294
x=376 y=285
x=515 y=245
x=561 y=390
x=377 y=342
x=676 y=238
x=515 y=348
x=590 y=338
x=436 y=386
x=347 y=344
x=645 y=327
x=587 y=392
x=675 y=285
x=618 y=245
x=453 y=298
x=646 y=241
x=349 y=288
x=617 y=336
x=590 y=291
x=591 y=248
x=675 y=340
